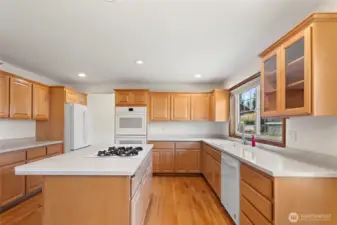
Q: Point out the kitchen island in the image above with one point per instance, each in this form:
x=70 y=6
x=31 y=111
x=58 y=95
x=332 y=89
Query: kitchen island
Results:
x=81 y=188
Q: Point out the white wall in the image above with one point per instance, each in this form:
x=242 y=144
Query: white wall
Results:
x=20 y=128
x=190 y=129
x=317 y=134
x=101 y=108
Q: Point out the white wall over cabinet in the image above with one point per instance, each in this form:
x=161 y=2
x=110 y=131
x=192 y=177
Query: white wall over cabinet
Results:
x=101 y=108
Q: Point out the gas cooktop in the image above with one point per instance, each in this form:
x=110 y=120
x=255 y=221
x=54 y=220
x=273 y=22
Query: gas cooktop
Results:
x=120 y=151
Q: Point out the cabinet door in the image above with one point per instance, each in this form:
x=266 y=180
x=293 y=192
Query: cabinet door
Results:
x=296 y=83
x=123 y=98
x=82 y=98
x=180 y=107
x=155 y=161
x=40 y=102
x=33 y=182
x=166 y=161
x=4 y=95
x=187 y=161
x=217 y=178
x=136 y=208
x=20 y=99
x=140 y=97
x=12 y=187
x=160 y=107
x=71 y=97
x=270 y=85
x=200 y=107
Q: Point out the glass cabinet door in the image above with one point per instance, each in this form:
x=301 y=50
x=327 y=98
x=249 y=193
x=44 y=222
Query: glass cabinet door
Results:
x=269 y=86
x=296 y=76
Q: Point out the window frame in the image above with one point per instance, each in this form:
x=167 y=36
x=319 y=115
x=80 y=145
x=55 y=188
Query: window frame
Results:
x=253 y=82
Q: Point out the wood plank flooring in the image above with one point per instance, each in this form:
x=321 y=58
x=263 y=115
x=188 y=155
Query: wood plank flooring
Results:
x=175 y=201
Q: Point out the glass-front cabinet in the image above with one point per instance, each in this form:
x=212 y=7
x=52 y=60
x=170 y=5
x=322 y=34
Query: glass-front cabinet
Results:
x=286 y=77
x=296 y=73
x=270 y=84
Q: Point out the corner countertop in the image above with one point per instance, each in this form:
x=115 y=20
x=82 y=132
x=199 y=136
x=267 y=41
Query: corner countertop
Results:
x=11 y=145
x=272 y=162
x=84 y=162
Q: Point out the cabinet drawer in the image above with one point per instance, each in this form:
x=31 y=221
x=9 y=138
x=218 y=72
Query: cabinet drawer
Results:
x=262 y=204
x=34 y=182
x=164 y=145
x=188 y=145
x=34 y=153
x=252 y=214
x=54 y=149
x=12 y=157
x=256 y=180
x=244 y=220
x=138 y=176
x=213 y=152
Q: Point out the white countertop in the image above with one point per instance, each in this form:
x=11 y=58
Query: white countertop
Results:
x=273 y=162
x=83 y=162
x=11 y=145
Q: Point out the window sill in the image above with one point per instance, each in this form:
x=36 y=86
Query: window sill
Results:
x=267 y=142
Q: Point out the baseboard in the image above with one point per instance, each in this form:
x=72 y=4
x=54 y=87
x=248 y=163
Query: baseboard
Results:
x=177 y=174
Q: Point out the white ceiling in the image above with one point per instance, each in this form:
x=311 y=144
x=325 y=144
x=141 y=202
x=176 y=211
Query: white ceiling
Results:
x=175 y=38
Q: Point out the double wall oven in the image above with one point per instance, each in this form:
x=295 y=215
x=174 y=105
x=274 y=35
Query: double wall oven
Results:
x=131 y=125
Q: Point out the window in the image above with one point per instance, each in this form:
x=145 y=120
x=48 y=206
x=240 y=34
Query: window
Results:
x=246 y=98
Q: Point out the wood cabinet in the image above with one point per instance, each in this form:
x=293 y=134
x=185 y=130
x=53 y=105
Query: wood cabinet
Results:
x=132 y=97
x=12 y=187
x=187 y=161
x=200 y=107
x=219 y=105
x=160 y=106
x=20 y=98
x=298 y=73
x=75 y=97
x=211 y=168
x=4 y=95
x=55 y=149
x=34 y=183
x=163 y=160
x=40 y=102
x=180 y=107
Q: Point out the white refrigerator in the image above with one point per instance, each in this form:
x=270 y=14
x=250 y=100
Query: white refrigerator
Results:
x=76 y=127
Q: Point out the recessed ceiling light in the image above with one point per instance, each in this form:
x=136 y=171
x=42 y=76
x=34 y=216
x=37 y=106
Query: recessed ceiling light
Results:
x=82 y=75
x=197 y=76
x=139 y=62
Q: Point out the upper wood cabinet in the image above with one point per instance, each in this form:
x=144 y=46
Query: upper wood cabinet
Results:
x=75 y=97
x=160 y=106
x=180 y=107
x=20 y=98
x=298 y=71
x=40 y=102
x=200 y=107
x=133 y=97
x=4 y=95
x=219 y=106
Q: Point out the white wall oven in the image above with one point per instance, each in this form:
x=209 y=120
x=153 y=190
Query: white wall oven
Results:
x=131 y=123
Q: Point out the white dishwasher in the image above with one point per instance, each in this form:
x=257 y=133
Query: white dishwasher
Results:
x=230 y=186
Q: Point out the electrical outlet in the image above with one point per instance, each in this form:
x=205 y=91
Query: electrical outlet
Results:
x=292 y=136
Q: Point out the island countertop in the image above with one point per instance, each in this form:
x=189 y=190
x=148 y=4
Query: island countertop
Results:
x=84 y=162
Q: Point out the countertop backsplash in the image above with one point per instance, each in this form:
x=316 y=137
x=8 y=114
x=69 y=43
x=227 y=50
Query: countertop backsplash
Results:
x=188 y=129
x=13 y=129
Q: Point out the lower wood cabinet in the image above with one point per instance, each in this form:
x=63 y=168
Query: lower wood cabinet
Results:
x=163 y=161
x=12 y=187
x=176 y=157
x=187 y=161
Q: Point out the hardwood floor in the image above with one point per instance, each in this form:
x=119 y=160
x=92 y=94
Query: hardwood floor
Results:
x=175 y=201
